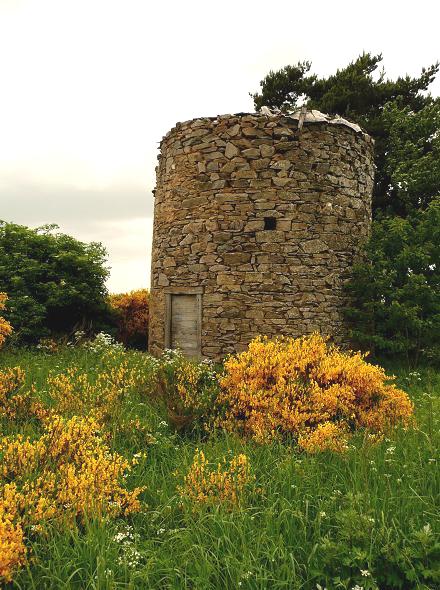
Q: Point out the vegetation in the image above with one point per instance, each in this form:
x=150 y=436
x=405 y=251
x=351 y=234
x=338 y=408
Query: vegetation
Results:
x=186 y=392
x=224 y=485
x=359 y=93
x=132 y=313
x=396 y=292
x=98 y=489
x=54 y=282
x=5 y=326
x=310 y=390
x=395 y=307
x=396 y=297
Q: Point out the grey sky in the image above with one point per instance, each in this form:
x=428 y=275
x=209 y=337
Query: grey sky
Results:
x=90 y=86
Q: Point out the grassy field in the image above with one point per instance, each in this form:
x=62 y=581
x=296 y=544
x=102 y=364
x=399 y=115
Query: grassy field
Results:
x=366 y=519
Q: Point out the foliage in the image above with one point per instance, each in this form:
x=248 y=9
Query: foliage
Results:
x=68 y=472
x=12 y=547
x=344 y=553
x=65 y=474
x=396 y=295
x=412 y=161
x=310 y=390
x=102 y=342
x=132 y=317
x=5 y=326
x=12 y=400
x=367 y=517
x=395 y=292
x=54 y=281
x=359 y=94
x=226 y=483
x=187 y=388
x=72 y=392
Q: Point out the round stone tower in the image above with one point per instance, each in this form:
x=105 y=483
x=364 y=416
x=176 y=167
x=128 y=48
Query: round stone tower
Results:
x=258 y=219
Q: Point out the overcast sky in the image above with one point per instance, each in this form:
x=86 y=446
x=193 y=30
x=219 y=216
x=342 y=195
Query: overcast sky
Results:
x=89 y=87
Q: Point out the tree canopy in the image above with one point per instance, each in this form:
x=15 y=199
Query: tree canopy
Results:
x=395 y=292
x=53 y=281
x=358 y=92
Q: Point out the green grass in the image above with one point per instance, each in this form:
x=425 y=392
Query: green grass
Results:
x=306 y=521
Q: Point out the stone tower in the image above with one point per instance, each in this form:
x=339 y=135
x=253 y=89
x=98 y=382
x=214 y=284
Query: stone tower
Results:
x=258 y=219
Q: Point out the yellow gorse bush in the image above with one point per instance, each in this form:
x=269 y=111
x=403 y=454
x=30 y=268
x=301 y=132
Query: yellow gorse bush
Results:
x=187 y=379
x=69 y=471
x=66 y=474
x=12 y=547
x=132 y=313
x=75 y=392
x=223 y=484
x=11 y=380
x=309 y=389
x=5 y=326
x=16 y=403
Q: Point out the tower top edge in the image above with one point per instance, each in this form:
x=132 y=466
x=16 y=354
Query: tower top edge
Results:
x=298 y=119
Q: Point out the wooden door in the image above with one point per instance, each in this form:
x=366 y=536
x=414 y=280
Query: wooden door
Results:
x=185 y=324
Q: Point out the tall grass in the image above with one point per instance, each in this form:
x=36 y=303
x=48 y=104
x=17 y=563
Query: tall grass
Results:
x=366 y=519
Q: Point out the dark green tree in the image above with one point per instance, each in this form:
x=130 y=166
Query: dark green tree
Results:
x=396 y=291
x=412 y=161
x=358 y=92
x=396 y=294
x=54 y=282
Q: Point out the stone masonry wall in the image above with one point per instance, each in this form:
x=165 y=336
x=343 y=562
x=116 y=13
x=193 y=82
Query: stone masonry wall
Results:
x=217 y=179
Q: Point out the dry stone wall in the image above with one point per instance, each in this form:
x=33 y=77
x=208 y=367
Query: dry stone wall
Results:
x=220 y=182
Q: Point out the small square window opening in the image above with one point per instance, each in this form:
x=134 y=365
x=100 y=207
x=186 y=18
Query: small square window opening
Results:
x=270 y=223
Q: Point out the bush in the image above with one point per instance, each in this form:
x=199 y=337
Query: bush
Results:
x=69 y=474
x=307 y=389
x=132 y=317
x=12 y=548
x=55 y=283
x=396 y=294
x=5 y=326
x=11 y=379
x=223 y=484
x=188 y=390
x=66 y=475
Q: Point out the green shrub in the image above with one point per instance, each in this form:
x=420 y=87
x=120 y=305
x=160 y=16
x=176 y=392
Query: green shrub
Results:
x=396 y=294
x=132 y=314
x=54 y=282
x=187 y=389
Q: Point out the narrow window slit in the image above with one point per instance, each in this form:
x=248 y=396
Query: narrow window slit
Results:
x=270 y=223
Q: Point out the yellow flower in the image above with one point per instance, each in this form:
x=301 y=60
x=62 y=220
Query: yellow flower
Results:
x=225 y=484
x=68 y=473
x=12 y=548
x=5 y=326
x=308 y=389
